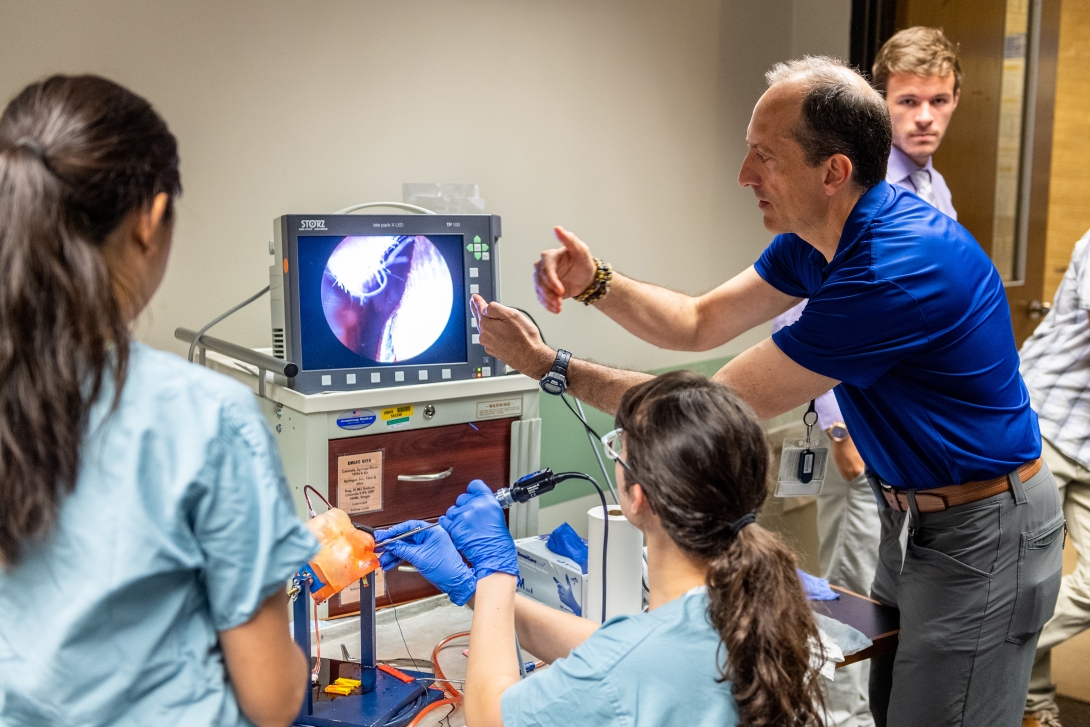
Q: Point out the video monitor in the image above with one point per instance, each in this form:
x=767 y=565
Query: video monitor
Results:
x=370 y=301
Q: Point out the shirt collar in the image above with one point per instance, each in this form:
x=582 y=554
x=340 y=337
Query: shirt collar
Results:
x=901 y=166
x=866 y=209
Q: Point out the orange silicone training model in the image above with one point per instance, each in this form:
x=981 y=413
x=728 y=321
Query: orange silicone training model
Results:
x=347 y=554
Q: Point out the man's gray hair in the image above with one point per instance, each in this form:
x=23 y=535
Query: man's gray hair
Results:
x=841 y=114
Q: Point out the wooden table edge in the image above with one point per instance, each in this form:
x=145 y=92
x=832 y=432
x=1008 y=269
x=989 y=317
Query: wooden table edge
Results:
x=882 y=644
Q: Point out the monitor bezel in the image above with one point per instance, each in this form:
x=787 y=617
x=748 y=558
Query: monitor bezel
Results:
x=290 y=228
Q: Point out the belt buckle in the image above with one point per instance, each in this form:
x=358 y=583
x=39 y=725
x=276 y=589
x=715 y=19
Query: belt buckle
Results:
x=891 y=496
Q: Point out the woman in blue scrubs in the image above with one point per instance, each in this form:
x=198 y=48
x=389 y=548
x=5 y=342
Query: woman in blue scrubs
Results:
x=146 y=529
x=727 y=636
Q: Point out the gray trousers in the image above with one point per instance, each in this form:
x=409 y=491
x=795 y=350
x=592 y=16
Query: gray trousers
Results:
x=978 y=583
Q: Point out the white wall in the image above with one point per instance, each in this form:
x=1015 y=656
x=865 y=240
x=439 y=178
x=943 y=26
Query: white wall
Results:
x=821 y=27
x=622 y=120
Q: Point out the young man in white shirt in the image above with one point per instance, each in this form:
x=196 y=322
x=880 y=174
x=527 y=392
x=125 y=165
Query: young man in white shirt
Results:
x=920 y=73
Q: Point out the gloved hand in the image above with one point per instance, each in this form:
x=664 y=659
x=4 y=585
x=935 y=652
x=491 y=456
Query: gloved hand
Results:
x=434 y=555
x=567 y=597
x=477 y=527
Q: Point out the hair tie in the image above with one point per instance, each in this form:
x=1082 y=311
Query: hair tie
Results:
x=737 y=525
x=27 y=143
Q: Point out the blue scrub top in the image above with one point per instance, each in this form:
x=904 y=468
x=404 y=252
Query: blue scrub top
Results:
x=911 y=316
x=648 y=669
x=181 y=525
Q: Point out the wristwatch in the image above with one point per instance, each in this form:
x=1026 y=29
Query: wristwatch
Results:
x=556 y=381
x=838 y=432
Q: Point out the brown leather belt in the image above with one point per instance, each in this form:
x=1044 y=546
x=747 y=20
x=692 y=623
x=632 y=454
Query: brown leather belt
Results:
x=940 y=498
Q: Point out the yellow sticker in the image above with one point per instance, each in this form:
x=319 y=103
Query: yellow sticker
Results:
x=397 y=412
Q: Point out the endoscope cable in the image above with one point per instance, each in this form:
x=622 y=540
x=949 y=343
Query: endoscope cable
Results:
x=592 y=436
x=605 y=527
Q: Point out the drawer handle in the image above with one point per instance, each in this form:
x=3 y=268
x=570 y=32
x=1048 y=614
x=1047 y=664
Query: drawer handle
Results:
x=435 y=476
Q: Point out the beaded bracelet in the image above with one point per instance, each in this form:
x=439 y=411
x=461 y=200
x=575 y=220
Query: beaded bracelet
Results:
x=599 y=287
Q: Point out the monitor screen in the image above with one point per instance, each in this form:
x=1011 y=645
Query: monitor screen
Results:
x=373 y=300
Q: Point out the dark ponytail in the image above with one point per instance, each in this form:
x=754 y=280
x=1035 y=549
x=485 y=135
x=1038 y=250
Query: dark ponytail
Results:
x=700 y=456
x=77 y=154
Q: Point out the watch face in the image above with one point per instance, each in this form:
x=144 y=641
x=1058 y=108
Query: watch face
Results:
x=553 y=384
x=838 y=432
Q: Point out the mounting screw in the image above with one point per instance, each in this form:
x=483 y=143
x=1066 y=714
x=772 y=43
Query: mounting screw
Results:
x=429 y=411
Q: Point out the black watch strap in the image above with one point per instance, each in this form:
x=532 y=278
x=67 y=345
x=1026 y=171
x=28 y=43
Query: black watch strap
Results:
x=560 y=363
x=555 y=382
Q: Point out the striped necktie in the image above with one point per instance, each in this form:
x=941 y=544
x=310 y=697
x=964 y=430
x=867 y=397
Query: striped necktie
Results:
x=921 y=179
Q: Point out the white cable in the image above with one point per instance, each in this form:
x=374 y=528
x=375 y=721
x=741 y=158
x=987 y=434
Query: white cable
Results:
x=396 y=205
x=518 y=653
x=597 y=456
x=217 y=319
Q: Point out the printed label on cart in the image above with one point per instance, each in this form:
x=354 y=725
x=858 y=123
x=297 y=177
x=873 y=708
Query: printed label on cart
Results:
x=359 y=482
x=395 y=416
x=351 y=595
x=499 y=408
x=356 y=419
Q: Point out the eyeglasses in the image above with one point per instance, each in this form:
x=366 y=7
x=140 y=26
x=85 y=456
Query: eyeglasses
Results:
x=612 y=442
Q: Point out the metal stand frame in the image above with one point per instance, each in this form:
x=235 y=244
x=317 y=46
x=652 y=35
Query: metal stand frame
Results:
x=382 y=698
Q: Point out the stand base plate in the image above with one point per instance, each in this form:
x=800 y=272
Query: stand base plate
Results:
x=390 y=699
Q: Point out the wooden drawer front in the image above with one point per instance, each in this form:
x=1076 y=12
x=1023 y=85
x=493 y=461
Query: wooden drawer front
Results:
x=482 y=453
x=471 y=453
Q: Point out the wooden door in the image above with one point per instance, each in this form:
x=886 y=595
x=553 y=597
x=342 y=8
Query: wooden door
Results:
x=997 y=151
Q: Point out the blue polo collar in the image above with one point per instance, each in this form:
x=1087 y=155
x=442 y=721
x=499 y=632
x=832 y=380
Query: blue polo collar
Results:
x=873 y=201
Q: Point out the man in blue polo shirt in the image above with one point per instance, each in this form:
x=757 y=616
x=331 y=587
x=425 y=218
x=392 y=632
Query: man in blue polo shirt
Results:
x=908 y=321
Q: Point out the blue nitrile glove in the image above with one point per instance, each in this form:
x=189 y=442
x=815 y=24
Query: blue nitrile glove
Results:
x=434 y=555
x=817 y=589
x=566 y=542
x=477 y=527
x=566 y=596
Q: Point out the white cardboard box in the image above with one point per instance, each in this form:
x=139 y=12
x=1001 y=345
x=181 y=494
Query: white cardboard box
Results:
x=543 y=574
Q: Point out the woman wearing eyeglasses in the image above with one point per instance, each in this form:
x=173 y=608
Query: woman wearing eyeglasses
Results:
x=726 y=637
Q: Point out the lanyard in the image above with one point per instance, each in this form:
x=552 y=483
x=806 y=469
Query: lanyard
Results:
x=807 y=459
x=812 y=409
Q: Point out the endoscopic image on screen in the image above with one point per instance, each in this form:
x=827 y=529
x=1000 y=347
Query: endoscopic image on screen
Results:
x=387 y=299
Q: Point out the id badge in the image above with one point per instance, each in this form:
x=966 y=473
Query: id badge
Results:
x=802 y=466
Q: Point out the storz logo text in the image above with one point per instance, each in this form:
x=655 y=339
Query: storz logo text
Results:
x=312 y=224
